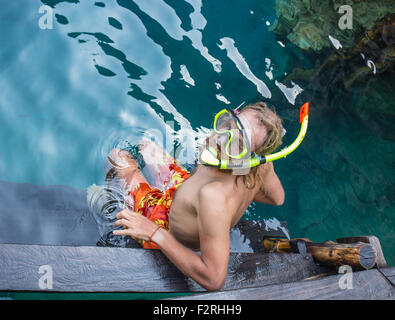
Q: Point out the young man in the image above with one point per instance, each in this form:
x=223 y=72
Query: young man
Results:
x=197 y=211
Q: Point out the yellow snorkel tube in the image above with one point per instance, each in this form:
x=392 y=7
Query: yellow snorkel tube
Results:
x=208 y=156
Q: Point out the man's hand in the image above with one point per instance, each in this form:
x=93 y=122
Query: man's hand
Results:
x=134 y=224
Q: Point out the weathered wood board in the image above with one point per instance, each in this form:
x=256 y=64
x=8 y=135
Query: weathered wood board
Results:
x=368 y=284
x=389 y=274
x=32 y=214
x=59 y=215
x=105 y=269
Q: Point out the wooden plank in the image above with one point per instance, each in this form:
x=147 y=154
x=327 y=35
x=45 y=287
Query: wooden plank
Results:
x=368 y=284
x=105 y=269
x=53 y=215
x=389 y=274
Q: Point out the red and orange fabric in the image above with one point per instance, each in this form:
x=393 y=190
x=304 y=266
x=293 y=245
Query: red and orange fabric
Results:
x=154 y=203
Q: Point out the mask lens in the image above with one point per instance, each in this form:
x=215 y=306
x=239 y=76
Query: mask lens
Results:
x=225 y=122
x=231 y=132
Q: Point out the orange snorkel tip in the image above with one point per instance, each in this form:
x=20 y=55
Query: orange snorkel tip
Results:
x=304 y=111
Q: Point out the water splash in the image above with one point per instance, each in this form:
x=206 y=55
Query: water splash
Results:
x=274 y=224
x=186 y=76
x=104 y=203
x=336 y=43
x=290 y=93
x=371 y=65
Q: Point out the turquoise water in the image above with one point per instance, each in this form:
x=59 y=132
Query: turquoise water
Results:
x=107 y=71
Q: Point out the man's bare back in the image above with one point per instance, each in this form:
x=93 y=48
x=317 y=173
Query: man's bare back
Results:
x=184 y=210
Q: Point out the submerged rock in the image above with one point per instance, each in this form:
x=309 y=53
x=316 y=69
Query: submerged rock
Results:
x=359 y=78
x=309 y=23
x=373 y=52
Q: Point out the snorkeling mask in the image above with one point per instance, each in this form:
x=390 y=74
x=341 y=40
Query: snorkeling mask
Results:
x=228 y=125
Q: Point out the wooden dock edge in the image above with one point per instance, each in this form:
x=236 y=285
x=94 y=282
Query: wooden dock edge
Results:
x=370 y=284
x=106 y=269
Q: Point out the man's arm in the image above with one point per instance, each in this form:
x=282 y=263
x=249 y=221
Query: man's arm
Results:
x=209 y=269
x=271 y=191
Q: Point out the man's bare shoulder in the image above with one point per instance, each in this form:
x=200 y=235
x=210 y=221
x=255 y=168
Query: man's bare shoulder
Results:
x=212 y=191
x=213 y=211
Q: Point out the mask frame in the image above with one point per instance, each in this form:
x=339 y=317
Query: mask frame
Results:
x=231 y=134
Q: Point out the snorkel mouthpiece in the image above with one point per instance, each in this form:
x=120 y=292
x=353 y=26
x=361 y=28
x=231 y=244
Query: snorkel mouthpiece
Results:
x=209 y=156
